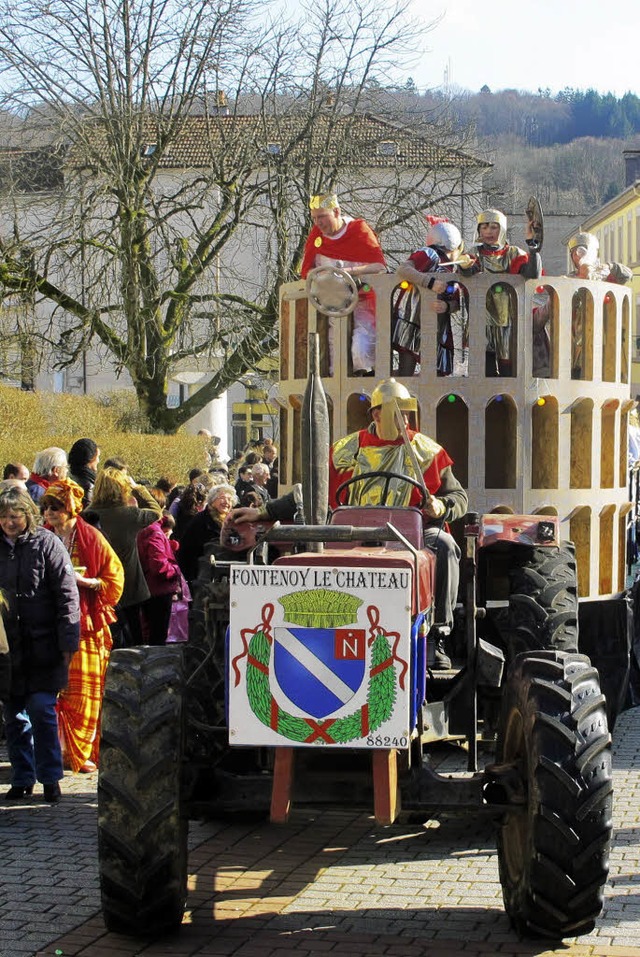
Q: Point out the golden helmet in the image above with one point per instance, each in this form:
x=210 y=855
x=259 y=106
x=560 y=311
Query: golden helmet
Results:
x=389 y=389
x=493 y=216
x=390 y=396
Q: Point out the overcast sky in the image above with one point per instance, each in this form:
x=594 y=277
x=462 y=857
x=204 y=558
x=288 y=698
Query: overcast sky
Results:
x=550 y=43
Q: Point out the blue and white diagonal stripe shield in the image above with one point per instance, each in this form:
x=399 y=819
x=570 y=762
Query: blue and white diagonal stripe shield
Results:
x=319 y=669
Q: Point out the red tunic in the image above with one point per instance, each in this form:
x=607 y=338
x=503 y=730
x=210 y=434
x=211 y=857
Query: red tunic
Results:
x=356 y=244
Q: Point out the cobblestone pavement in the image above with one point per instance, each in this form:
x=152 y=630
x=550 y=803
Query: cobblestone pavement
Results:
x=326 y=883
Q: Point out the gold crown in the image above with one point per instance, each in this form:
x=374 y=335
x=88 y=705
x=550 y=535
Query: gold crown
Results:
x=324 y=201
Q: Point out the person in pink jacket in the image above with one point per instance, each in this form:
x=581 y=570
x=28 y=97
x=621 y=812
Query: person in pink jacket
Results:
x=160 y=566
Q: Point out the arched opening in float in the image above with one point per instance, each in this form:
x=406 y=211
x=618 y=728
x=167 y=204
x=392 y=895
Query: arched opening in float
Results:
x=624 y=342
x=608 y=414
x=545 y=311
x=500 y=438
x=580 y=535
x=624 y=519
x=544 y=442
x=301 y=341
x=502 y=331
x=623 y=449
x=582 y=335
x=609 y=351
x=605 y=550
x=452 y=433
x=406 y=306
x=581 y=443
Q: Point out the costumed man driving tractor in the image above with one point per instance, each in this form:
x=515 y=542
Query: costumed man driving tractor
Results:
x=391 y=445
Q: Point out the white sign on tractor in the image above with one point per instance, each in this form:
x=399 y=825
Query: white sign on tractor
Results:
x=319 y=656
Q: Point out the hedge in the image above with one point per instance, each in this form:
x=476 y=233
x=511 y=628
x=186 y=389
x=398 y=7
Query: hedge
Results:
x=31 y=421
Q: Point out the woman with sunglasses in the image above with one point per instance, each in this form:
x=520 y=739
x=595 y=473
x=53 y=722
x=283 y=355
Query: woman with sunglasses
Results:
x=100 y=579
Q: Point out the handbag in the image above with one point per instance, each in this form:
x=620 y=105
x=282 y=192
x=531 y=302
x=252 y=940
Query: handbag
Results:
x=179 y=618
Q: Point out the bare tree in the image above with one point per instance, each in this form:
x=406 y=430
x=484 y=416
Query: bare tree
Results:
x=183 y=143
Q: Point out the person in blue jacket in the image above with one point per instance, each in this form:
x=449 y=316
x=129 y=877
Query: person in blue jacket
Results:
x=42 y=621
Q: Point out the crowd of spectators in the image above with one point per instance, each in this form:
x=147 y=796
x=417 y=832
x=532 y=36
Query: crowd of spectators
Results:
x=106 y=559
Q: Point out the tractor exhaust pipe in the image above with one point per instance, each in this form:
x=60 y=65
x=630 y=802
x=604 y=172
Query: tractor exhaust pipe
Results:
x=315 y=443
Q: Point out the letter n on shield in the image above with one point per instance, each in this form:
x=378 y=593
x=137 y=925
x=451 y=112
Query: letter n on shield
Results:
x=350 y=644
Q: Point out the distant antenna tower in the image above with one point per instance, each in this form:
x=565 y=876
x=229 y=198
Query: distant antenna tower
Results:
x=447 y=76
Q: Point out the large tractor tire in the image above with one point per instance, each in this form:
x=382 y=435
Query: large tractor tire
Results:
x=543 y=601
x=142 y=832
x=554 y=854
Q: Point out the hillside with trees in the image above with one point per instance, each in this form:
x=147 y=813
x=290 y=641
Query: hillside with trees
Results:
x=565 y=148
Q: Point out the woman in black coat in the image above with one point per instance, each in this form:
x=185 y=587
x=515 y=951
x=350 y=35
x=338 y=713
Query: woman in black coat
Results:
x=115 y=510
x=5 y=660
x=43 y=629
x=204 y=529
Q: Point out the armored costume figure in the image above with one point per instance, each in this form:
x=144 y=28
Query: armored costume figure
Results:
x=492 y=253
x=381 y=447
x=583 y=250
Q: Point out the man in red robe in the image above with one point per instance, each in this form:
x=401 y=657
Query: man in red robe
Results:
x=350 y=244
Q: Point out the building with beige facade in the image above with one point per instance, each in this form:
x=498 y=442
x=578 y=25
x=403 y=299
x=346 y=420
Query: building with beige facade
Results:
x=617 y=226
x=388 y=158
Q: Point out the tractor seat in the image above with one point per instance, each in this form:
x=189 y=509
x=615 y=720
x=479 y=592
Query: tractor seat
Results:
x=408 y=521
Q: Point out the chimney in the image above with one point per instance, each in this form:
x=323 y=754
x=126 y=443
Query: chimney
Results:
x=221 y=103
x=631 y=166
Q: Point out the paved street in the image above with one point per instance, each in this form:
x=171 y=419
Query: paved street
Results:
x=326 y=883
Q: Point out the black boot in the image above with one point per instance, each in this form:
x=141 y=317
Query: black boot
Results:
x=442 y=661
x=437 y=657
x=16 y=791
x=52 y=793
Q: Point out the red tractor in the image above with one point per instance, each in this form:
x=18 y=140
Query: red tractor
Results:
x=308 y=678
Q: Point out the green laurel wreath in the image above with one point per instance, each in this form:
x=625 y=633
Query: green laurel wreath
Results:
x=381 y=696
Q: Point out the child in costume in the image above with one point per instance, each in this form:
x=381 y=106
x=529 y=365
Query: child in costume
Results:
x=492 y=253
x=442 y=250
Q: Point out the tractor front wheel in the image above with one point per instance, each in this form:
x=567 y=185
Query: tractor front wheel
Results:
x=142 y=832
x=553 y=854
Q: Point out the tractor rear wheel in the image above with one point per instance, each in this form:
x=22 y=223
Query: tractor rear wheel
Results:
x=553 y=855
x=142 y=832
x=543 y=601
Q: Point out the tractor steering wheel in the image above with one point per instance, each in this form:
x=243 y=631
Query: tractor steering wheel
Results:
x=332 y=291
x=387 y=478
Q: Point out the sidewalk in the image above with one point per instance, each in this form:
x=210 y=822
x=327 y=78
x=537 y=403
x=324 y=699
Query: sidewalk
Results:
x=326 y=883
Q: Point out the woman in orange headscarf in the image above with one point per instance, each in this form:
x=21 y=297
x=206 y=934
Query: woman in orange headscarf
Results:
x=100 y=579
